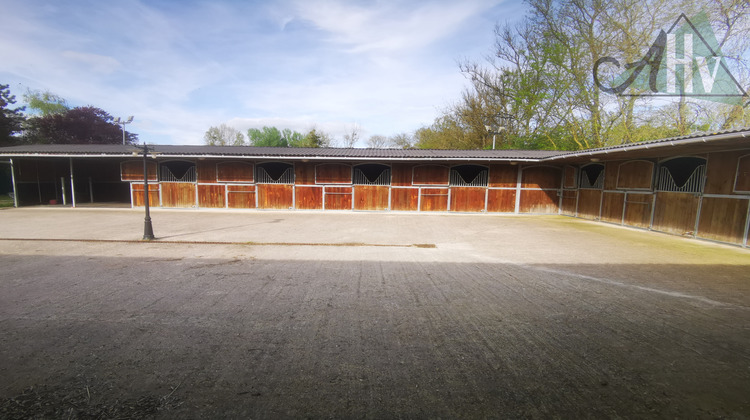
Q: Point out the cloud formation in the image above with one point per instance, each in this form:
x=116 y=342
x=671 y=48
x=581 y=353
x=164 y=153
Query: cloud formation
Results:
x=180 y=67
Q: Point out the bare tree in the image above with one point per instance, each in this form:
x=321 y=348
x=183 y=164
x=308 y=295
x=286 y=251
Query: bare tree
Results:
x=223 y=135
x=377 y=141
x=401 y=141
x=351 y=137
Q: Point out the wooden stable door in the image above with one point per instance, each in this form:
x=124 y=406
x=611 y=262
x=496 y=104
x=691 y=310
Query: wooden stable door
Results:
x=178 y=194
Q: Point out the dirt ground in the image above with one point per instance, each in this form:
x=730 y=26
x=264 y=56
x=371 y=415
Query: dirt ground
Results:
x=366 y=315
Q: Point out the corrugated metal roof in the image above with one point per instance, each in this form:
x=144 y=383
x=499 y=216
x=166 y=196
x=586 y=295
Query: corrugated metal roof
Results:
x=294 y=153
x=277 y=152
x=704 y=137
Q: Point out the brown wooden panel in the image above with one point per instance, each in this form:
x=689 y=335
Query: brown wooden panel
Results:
x=503 y=201
x=612 y=206
x=401 y=174
x=467 y=199
x=503 y=176
x=610 y=175
x=205 y=171
x=589 y=202
x=635 y=175
x=723 y=219
x=538 y=201
x=241 y=196
x=304 y=173
x=338 y=198
x=333 y=173
x=434 y=199
x=541 y=177
x=371 y=197
x=430 y=175
x=138 y=195
x=275 y=196
x=405 y=199
x=638 y=209
x=569 y=202
x=675 y=212
x=308 y=198
x=132 y=170
x=211 y=196
x=235 y=172
x=241 y=188
x=178 y=194
x=569 y=177
x=742 y=177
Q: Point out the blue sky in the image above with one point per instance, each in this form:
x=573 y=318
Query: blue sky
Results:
x=182 y=66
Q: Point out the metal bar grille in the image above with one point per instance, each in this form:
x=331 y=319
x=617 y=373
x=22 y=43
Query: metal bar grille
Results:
x=383 y=179
x=481 y=180
x=694 y=184
x=263 y=178
x=167 y=175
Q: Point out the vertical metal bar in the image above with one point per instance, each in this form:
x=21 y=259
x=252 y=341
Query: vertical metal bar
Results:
x=226 y=195
x=13 y=180
x=39 y=184
x=419 y=199
x=132 y=202
x=91 y=189
x=519 y=174
x=747 y=225
x=624 y=205
x=448 y=206
x=653 y=211
x=62 y=188
x=72 y=185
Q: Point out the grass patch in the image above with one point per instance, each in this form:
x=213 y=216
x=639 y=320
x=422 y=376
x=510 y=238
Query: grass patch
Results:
x=6 y=201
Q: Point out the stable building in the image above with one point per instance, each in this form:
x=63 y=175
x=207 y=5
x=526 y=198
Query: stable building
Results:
x=697 y=185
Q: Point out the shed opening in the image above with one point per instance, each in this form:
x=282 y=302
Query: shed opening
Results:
x=274 y=173
x=178 y=171
x=592 y=176
x=683 y=174
x=469 y=176
x=372 y=174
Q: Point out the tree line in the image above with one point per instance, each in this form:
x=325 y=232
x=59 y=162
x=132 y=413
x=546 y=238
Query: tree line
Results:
x=51 y=120
x=225 y=135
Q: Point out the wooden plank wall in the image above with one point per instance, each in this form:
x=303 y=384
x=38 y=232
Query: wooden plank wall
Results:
x=371 y=197
x=338 y=198
x=211 y=196
x=132 y=170
x=540 y=189
x=275 y=196
x=241 y=196
x=308 y=197
x=405 y=199
x=139 y=194
x=177 y=194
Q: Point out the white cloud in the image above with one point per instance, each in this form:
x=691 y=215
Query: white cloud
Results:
x=181 y=68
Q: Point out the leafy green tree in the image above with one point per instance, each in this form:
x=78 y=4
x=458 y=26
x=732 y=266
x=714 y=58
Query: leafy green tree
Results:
x=316 y=138
x=11 y=119
x=80 y=125
x=266 y=137
x=45 y=102
x=223 y=135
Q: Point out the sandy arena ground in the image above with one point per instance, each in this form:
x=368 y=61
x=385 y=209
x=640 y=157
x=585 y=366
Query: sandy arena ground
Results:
x=366 y=315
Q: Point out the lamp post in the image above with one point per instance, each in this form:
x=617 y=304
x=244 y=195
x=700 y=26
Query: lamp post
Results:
x=122 y=123
x=498 y=127
x=148 y=230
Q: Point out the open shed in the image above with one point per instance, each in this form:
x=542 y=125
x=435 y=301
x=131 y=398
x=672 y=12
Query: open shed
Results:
x=696 y=185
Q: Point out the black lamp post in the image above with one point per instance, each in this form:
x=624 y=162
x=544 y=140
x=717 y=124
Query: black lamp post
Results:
x=148 y=230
